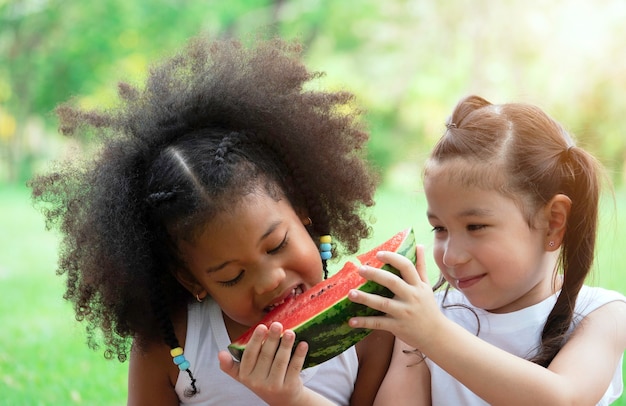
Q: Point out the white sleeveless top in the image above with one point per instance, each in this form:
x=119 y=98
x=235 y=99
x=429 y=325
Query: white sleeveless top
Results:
x=518 y=333
x=206 y=335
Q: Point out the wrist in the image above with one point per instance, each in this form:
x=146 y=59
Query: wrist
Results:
x=439 y=331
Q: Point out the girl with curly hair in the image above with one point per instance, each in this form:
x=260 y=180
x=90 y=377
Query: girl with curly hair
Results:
x=513 y=203
x=199 y=212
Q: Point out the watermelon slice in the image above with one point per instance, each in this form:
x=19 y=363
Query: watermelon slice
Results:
x=320 y=315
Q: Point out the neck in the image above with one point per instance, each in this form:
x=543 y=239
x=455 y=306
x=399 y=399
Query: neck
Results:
x=234 y=329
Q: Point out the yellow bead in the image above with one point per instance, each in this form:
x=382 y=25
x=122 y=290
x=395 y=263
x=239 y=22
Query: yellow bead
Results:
x=176 y=351
x=325 y=239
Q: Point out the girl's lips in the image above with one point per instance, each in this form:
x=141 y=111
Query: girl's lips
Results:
x=298 y=290
x=468 y=282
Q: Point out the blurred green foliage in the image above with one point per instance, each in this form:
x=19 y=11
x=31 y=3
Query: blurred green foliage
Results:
x=408 y=62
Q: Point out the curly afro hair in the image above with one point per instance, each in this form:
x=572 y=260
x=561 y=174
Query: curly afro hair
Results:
x=210 y=124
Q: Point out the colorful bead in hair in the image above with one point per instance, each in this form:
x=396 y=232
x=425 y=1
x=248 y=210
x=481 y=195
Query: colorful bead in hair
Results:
x=179 y=359
x=325 y=247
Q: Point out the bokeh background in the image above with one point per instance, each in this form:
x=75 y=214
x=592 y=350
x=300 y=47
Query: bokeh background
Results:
x=407 y=61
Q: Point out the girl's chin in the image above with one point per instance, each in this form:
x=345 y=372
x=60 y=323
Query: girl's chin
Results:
x=237 y=328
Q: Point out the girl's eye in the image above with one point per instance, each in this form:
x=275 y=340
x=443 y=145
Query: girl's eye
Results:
x=233 y=281
x=475 y=227
x=438 y=229
x=280 y=246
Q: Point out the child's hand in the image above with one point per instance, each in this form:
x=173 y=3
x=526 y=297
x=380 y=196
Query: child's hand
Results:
x=413 y=312
x=267 y=367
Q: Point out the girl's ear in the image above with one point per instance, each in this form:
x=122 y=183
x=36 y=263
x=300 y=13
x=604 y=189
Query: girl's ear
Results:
x=189 y=282
x=304 y=217
x=557 y=212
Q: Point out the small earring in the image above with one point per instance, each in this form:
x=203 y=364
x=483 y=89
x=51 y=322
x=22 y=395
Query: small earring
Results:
x=198 y=298
x=551 y=244
x=307 y=221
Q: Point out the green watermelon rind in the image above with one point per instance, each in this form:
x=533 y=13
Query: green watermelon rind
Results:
x=328 y=333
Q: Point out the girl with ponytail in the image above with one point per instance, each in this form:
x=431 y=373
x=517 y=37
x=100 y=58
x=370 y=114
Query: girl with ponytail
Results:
x=513 y=203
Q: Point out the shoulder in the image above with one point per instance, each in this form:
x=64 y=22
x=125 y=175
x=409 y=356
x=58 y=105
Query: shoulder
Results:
x=591 y=298
x=603 y=319
x=599 y=293
x=151 y=374
x=610 y=316
x=590 y=360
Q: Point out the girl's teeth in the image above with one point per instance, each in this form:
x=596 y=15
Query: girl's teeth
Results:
x=295 y=292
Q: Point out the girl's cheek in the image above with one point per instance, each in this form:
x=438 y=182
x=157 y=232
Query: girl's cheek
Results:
x=449 y=279
x=438 y=256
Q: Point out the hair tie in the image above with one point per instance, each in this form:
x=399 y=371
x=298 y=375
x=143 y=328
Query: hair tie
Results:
x=225 y=147
x=450 y=125
x=567 y=152
x=179 y=358
x=325 y=247
x=325 y=252
x=156 y=198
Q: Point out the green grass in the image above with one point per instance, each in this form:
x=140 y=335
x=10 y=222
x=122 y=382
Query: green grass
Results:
x=44 y=359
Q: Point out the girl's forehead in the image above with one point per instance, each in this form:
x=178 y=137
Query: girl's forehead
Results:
x=459 y=174
x=223 y=208
x=251 y=202
x=465 y=173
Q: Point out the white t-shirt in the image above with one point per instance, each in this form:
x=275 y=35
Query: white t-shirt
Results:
x=207 y=335
x=518 y=333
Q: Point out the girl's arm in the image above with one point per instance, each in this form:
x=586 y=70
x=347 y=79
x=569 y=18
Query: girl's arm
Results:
x=151 y=378
x=269 y=370
x=579 y=374
x=408 y=379
x=374 y=353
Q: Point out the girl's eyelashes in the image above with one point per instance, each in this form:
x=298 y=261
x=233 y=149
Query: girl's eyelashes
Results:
x=470 y=227
x=280 y=246
x=234 y=280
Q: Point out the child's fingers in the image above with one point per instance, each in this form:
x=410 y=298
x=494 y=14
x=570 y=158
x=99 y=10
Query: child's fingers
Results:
x=297 y=362
x=280 y=361
x=387 y=279
x=373 y=301
x=420 y=264
x=227 y=364
x=251 y=355
x=268 y=350
x=407 y=269
x=373 y=323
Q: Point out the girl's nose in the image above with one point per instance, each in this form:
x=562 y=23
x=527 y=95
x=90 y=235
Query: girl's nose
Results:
x=269 y=279
x=454 y=254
